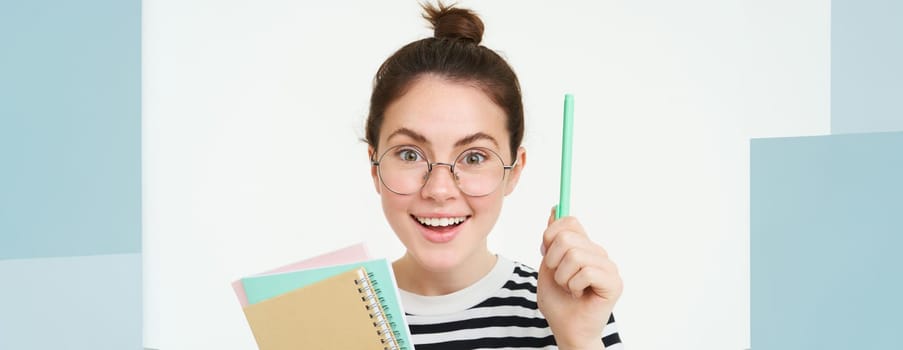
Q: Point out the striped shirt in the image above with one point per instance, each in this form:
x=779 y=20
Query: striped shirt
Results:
x=497 y=312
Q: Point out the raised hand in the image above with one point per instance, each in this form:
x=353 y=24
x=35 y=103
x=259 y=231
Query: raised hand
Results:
x=578 y=285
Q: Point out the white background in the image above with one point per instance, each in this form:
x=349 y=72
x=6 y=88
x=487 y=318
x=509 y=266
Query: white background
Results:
x=253 y=111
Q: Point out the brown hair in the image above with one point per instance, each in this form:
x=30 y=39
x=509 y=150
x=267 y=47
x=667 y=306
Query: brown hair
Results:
x=454 y=52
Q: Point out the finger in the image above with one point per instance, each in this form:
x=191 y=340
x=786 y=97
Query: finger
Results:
x=605 y=285
x=573 y=260
x=578 y=258
x=598 y=251
x=564 y=242
x=609 y=267
x=567 y=223
x=543 y=246
x=552 y=215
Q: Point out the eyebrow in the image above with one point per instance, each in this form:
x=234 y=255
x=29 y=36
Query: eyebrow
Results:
x=409 y=133
x=474 y=137
x=462 y=142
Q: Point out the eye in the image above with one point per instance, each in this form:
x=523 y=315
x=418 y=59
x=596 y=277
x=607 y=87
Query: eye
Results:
x=408 y=155
x=474 y=158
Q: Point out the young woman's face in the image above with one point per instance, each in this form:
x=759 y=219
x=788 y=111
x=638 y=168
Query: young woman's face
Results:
x=441 y=119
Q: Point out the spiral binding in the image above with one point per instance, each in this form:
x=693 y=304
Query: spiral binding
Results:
x=372 y=299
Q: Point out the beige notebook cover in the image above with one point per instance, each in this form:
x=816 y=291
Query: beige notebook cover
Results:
x=331 y=314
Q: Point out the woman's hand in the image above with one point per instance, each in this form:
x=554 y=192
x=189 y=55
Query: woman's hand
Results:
x=578 y=285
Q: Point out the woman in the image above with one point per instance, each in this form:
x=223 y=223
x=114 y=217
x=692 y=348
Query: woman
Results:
x=444 y=133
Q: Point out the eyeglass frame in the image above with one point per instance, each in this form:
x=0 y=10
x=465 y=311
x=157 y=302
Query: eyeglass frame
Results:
x=451 y=169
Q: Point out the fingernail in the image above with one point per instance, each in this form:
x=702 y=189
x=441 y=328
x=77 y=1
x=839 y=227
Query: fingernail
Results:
x=542 y=249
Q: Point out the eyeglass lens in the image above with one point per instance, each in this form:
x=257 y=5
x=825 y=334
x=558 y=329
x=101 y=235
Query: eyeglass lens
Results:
x=477 y=171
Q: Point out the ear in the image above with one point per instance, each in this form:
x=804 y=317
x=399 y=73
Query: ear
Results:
x=514 y=174
x=373 y=171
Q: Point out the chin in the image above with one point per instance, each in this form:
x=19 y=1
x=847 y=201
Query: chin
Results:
x=437 y=258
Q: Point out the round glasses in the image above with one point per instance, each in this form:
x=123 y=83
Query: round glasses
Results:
x=477 y=171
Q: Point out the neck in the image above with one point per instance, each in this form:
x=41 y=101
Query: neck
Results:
x=415 y=278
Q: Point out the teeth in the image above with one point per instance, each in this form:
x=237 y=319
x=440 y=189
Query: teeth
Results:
x=441 y=221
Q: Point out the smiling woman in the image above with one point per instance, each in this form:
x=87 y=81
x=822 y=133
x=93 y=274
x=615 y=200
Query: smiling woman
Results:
x=447 y=102
x=440 y=114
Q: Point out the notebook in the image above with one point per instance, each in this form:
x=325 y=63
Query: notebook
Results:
x=340 y=312
x=351 y=306
x=349 y=254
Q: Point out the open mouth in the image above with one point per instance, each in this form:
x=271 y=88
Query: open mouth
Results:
x=441 y=224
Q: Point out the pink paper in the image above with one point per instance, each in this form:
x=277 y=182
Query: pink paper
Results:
x=345 y=255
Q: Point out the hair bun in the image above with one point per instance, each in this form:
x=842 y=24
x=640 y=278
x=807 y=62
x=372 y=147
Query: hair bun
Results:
x=455 y=23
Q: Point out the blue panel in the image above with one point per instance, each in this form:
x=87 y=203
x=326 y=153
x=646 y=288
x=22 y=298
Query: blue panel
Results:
x=866 y=68
x=825 y=240
x=70 y=176
x=71 y=303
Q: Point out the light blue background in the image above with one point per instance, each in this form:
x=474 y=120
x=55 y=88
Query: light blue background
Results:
x=70 y=128
x=826 y=229
x=866 y=73
x=70 y=175
x=91 y=302
x=827 y=212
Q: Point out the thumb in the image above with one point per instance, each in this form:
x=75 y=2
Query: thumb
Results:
x=542 y=246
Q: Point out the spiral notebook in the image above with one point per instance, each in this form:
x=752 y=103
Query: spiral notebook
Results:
x=346 y=255
x=352 y=306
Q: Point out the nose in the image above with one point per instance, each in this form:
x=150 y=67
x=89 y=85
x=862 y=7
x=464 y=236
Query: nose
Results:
x=440 y=185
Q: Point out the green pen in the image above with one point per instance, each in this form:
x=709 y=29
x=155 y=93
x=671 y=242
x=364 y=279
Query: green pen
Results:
x=567 y=149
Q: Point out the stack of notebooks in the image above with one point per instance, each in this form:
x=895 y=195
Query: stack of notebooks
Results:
x=339 y=300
